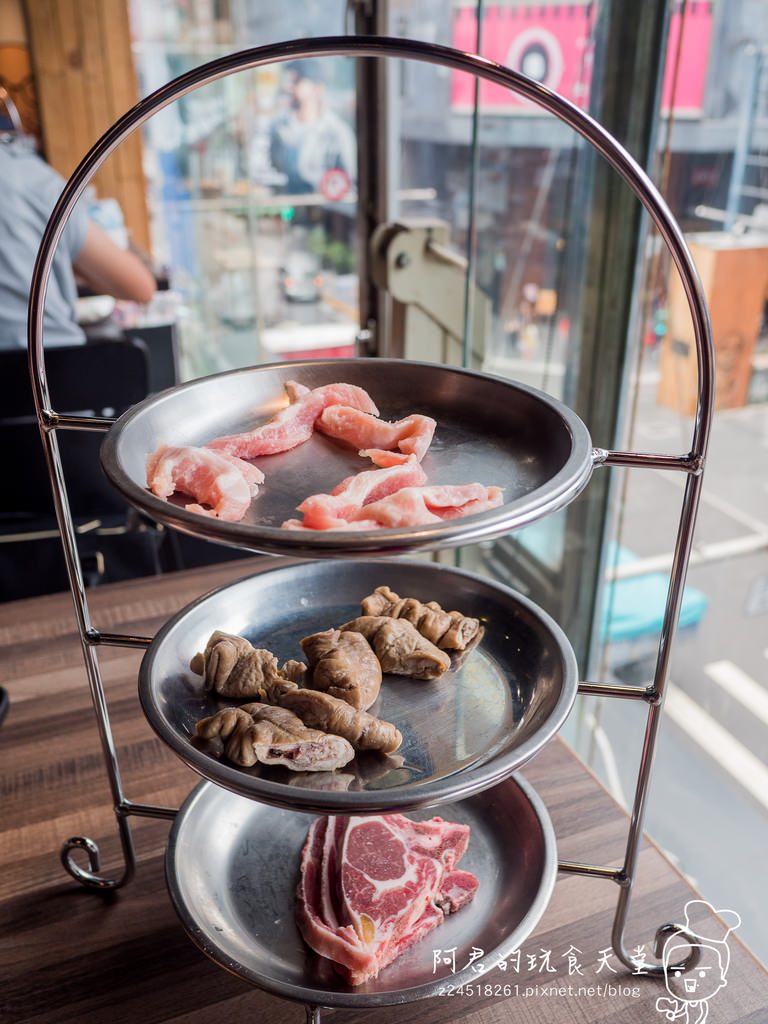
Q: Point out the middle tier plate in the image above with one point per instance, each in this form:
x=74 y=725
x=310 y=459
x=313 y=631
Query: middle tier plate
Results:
x=495 y=708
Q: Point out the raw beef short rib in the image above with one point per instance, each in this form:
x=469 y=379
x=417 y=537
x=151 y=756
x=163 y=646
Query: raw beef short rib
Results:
x=371 y=887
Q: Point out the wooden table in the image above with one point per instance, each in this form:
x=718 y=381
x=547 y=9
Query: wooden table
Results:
x=67 y=954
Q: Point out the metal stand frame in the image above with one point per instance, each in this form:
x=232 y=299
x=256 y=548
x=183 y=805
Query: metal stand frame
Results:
x=691 y=464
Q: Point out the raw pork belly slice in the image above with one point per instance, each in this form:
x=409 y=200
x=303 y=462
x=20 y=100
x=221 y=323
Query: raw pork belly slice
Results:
x=333 y=511
x=294 y=424
x=451 y=502
x=377 y=438
x=420 y=506
x=297 y=524
x=295 y=390
x=405 y=507
x=372 y=887
x=221 y=481
x=415 y=506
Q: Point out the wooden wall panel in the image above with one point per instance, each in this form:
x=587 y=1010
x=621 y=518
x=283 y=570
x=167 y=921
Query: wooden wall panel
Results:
x=85 y=80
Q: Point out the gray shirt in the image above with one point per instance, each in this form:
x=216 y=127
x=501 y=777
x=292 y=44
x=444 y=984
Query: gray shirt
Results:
x=29 y=189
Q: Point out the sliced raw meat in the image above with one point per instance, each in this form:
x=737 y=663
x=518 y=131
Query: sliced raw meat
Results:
x=429 y=920
x=451 y=502
x=408 y=505
x=337 y=942
x=372 y=887
x=253 y=475
x=377 y=438
x=329 y=875
x=383 y=887
x=458 y=888
x=405 y=507
x=446 y=841
x=297 y=524
x=418 y=506
x=218 y=480
x=332 y=511
x=295 y=391
x=293 y=424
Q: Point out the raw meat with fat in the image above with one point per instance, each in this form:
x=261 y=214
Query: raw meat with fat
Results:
x=339 y=943
x=419 y=506
x=217 y=479
x=372 y=887
x=410 y=504
x=332 y=511
x=378 y=438
x=295 y=422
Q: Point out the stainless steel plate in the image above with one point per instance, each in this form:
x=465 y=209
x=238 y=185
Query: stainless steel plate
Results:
x=490 y=431
x=232 y=866
x=462 y=733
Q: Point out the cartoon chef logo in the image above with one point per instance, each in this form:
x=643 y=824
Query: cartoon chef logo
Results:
x=690 y=991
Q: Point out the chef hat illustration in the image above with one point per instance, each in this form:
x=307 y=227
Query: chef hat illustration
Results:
x=711 y=929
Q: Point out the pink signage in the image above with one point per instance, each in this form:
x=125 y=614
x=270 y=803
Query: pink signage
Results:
x=552 y=43
x=687 y=86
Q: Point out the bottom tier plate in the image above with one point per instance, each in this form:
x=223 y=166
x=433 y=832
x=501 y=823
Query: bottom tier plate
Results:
x=232 y=865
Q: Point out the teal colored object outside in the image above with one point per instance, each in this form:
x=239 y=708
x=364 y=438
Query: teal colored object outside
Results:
x=634 y=607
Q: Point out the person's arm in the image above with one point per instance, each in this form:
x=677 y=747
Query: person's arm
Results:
x=109 y=270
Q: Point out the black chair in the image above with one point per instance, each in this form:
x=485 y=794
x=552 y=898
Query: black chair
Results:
x=114 y=540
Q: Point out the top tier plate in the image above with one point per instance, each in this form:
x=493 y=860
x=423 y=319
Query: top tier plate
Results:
x=489 y=430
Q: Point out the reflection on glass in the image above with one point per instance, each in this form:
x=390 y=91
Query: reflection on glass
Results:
x=252 y=181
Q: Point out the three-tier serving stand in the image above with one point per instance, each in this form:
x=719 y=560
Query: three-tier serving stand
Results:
x=328 y=563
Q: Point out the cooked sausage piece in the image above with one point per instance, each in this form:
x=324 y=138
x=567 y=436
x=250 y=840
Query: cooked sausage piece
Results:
x=274 y=735
x=399 y=646
x=450 y=631
x=322 y=711
x=232 y=667
x=344 y=665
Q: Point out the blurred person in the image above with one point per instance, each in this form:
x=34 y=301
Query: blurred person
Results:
x=29 y=189
x=309 y=139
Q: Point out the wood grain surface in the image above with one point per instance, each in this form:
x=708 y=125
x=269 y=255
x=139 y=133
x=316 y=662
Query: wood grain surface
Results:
x=81 y=53
x=67 y=954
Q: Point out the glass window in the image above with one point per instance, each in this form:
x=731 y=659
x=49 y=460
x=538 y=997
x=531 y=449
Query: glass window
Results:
x=541 y=269
x=708 y=808
x=512 y=183
x=253 y=186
